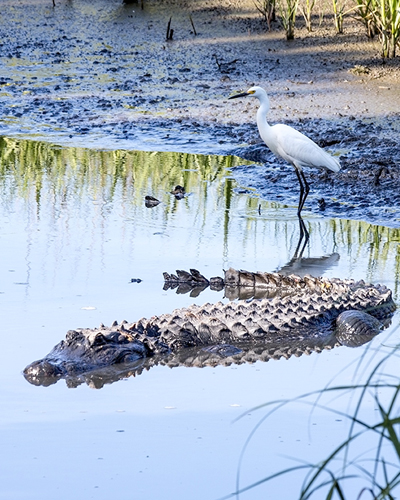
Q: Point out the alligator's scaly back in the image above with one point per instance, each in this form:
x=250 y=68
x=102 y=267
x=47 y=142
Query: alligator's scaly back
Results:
x=303 y=308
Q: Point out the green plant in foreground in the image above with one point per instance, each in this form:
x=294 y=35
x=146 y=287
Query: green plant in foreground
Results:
x=374 y=474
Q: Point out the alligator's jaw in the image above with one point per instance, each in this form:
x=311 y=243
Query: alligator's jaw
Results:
x=43 y=372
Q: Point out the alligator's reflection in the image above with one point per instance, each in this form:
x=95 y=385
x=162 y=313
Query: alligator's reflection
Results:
x=306 y=314
x=249 y=285
x=221 y=355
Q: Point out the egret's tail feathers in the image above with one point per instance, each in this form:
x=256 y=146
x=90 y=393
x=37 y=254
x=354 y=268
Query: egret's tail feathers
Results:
x=333 y=164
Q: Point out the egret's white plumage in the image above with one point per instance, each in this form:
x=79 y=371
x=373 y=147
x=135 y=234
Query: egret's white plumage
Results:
x=290 y=144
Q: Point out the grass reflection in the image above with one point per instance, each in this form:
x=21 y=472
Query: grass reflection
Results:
x=89 y=185
x=24 y=163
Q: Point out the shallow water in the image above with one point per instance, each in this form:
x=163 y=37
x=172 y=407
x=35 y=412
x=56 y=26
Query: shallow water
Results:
x=74 y=231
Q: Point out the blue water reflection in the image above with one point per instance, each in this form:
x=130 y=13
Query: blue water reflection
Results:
x=74 y=231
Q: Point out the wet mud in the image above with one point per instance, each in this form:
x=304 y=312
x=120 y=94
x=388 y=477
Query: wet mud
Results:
x=366 y=188
x=101 y=74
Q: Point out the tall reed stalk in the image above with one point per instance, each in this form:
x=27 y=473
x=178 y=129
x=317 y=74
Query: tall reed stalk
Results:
x=388 y=22
x=339 y=11
x=306 y=8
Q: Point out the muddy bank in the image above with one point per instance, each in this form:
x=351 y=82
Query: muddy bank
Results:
x=100 y=74
x=366 y=188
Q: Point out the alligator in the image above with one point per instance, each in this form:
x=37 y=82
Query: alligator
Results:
x=297 y=315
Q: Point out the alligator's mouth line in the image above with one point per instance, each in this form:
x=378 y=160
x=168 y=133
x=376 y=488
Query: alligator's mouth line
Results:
x=310 y=314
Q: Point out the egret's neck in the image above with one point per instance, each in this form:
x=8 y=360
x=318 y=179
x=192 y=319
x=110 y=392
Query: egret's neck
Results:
x=263 y=125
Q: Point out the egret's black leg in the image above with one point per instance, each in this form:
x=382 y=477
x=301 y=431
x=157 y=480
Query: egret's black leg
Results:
x=306 y=189
x=301 y=203
x=303 y=230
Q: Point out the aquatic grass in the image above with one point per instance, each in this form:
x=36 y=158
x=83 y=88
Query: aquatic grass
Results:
x=376 y=470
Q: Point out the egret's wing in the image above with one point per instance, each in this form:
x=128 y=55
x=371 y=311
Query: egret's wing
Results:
x=301 y=151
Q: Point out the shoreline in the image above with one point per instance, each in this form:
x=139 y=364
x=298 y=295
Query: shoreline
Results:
x=99 y=74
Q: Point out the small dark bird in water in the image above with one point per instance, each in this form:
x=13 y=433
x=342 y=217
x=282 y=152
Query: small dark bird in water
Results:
x=179 y=192
x=150 y=202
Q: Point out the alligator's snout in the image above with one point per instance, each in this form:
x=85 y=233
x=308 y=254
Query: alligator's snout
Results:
x=42 y=372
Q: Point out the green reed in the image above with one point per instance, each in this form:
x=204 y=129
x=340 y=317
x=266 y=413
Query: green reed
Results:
x=344 y=473
x=288 y=12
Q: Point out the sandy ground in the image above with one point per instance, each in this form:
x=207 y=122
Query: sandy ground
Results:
x=98 y=73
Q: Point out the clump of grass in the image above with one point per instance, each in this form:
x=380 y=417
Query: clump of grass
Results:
x=338 y=14
x=388 y=23
x=288 y=12
x=365 y=10
x=306 y=8
x=376 y=473
x=382 y=17
x=267 y=9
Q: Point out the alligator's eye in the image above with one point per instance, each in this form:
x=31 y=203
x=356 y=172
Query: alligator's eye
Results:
x=127 y=357
x=99 y=340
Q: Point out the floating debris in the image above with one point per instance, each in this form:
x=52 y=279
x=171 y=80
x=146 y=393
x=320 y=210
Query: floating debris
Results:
x=150 y=201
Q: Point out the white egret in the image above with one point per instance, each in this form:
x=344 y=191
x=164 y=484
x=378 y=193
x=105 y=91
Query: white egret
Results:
x=290 y=144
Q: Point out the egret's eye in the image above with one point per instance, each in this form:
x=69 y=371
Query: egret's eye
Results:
x=251 y=92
